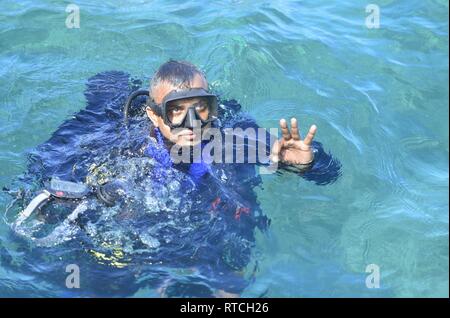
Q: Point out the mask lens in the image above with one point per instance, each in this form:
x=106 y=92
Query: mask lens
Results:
x=176 y=111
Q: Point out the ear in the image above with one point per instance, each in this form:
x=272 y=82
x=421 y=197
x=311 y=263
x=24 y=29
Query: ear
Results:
x=152 y=116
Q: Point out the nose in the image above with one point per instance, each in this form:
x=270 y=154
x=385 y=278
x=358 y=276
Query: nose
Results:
x=191 y=119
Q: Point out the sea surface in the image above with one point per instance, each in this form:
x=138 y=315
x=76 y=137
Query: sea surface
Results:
x=378 y=94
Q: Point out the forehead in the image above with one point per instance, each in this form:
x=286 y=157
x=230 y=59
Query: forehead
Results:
x=164 y=88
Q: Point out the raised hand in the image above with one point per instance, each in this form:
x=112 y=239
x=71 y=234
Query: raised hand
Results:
x=291 y=149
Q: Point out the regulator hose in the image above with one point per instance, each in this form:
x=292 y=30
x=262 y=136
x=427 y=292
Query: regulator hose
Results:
x=126 y=109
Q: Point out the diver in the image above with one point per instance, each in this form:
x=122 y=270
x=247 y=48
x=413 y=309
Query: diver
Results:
x=179 y=100
x=222 y=202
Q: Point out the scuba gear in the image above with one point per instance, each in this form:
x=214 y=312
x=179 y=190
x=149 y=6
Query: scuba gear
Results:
x=55 y=189
x=192 y=114
x=67 y=190
x=110 y=192
x=130 y=99
x=59 y=189
x=186 y=119
x=35 y=204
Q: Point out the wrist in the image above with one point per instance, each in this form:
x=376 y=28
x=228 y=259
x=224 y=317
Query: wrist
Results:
x=307 y=159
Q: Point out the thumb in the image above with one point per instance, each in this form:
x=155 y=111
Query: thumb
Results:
x=276 y=149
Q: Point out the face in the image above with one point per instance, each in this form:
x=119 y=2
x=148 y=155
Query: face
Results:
x=177 y=111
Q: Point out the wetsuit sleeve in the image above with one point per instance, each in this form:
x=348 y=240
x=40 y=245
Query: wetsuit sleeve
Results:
x=324 y=169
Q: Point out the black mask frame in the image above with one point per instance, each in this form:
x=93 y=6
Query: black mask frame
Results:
x=191 y=114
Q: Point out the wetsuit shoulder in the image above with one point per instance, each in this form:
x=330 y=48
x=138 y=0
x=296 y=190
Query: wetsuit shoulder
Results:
x=88 y=133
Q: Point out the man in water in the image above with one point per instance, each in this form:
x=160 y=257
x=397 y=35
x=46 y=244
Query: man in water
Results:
x=181 y=109
x=197 y=215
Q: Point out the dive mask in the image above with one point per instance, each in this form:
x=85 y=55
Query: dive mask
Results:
x=182 y=108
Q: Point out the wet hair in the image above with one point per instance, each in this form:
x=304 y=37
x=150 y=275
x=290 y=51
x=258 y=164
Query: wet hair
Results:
x=177 y=73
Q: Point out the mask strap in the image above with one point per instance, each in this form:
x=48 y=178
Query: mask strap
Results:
x=155 y=107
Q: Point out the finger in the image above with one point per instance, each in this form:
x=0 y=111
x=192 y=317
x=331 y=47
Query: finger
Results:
x=310 y=136
x=285 y=130
x=294 y=129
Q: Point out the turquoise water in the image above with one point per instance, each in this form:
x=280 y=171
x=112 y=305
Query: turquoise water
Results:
x=379 y=97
